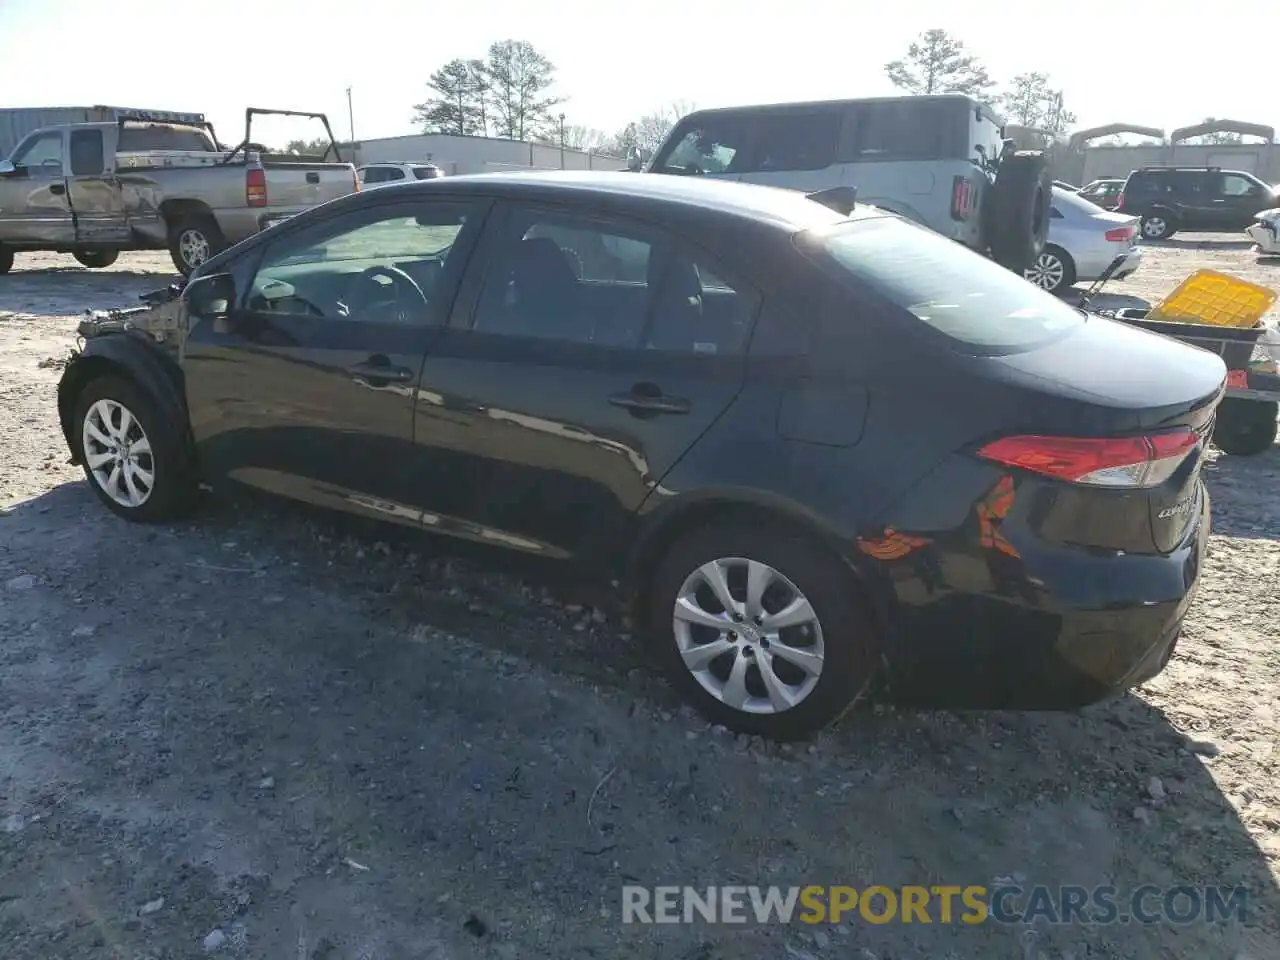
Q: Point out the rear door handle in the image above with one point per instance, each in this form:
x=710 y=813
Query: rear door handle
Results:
x=313 y=177
x=650 y=403
x=378 y=370
x=58 y=189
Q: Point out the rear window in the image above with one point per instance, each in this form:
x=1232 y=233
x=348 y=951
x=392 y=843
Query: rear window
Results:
x=958 y=293
x=1067 y=199
x=426 y=172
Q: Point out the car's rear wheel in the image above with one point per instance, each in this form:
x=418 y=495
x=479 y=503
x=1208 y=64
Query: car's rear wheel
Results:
x=1157 y=225
x=1053 y=270
x=760 y=629
x=97 y=259
x=130 y=455
x=192 y=241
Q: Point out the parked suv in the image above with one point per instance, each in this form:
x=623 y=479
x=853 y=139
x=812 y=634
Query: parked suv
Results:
x=941 y=161
x=1194 y=199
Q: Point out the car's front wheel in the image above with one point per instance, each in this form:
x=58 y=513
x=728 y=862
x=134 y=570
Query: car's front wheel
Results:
x=130 y=455
x=1052 y=271
x=760 y=629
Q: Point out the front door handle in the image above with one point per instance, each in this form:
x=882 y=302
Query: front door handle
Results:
x=378 y=370
x=648 y=399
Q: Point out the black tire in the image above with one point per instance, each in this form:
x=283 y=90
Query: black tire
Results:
x=850 y=649
x=1158 y=225
x=1042 y=271
x=189 y=234
x=174 y=491
x=1245 y=427
x=97 y=259
x=1016 y=215
x=6 y=260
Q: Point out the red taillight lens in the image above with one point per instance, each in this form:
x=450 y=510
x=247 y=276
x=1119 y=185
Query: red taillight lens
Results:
x=1121 y=233
x=1119 y=199
x=961 y=198
x=355 y=182
x=255 y=187
x=1145 y=461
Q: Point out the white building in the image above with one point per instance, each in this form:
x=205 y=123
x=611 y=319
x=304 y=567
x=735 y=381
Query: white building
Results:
x=458 y=155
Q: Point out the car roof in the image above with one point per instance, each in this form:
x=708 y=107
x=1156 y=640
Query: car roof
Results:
x=639 y=194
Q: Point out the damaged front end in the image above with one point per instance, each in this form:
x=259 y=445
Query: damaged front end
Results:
x=1265 y=232
x=158 y=319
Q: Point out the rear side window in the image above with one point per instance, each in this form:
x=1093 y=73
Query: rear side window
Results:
x=903 y=130
x=86 y=152
x=958 y=293
x=426 y=172
x=795 y=141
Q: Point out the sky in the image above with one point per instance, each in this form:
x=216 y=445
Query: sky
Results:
x=615 y=61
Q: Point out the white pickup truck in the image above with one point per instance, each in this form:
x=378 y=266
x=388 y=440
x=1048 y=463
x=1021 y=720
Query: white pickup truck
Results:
x=95 y=189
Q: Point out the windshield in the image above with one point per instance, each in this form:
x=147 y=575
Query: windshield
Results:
x=957 y=292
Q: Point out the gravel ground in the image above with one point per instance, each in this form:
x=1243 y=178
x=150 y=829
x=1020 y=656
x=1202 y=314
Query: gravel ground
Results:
x=271 y=734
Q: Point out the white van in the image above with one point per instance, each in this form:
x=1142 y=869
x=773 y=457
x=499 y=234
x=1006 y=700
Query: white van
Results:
x=942 y=161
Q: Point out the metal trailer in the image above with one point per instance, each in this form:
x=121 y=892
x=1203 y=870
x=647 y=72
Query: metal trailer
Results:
x=1246 y=423
x=17 y=122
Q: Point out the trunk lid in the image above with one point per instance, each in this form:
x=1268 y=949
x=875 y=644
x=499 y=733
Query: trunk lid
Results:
x=1108 y=379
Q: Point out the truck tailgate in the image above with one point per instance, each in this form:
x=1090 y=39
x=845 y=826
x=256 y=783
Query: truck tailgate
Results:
x=297 y=186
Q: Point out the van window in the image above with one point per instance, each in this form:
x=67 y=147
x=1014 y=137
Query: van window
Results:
x=958 y=293
x=795 y=141
x=707 y=145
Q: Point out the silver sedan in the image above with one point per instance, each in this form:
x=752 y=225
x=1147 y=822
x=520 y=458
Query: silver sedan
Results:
x=1083 y=241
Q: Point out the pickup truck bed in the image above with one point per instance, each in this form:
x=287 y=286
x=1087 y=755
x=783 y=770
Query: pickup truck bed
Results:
x=73 y=188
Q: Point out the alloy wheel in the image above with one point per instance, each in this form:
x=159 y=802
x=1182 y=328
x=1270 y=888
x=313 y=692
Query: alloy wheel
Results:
x=118 y=453
x=748 y=635
x=1153 y=228
x=193 y=245
x=1047 y=272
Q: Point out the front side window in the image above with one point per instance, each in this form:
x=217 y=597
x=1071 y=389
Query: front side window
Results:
x=958 y=293
x=709 y=146
x=1234 y=185
x=41 y=155
x=384 y=265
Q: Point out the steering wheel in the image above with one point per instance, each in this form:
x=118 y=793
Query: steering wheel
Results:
x=385 y=300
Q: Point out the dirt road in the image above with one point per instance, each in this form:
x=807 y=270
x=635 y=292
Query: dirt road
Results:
x=255 y=736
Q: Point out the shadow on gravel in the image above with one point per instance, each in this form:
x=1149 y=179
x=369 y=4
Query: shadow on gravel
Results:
x=1246 y=495
x=343 y=741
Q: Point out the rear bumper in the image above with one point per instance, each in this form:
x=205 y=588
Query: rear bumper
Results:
x=1086 y=627
x=1090 y=270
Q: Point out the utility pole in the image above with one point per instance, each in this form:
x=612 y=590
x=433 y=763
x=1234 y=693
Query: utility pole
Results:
x=351 y=118
x=562 y=141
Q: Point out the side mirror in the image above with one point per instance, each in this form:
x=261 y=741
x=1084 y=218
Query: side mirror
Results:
x=211 y=297
x=7 y=169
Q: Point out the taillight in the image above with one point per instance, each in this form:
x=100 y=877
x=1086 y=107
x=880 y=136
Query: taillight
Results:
x=1131 y=462
x=355 y=182
x=1120 y=200
x=1121 y=233
x=961 y=197
x=255 y=187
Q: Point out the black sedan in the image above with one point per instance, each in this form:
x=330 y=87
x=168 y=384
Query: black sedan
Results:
x=817 y=447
